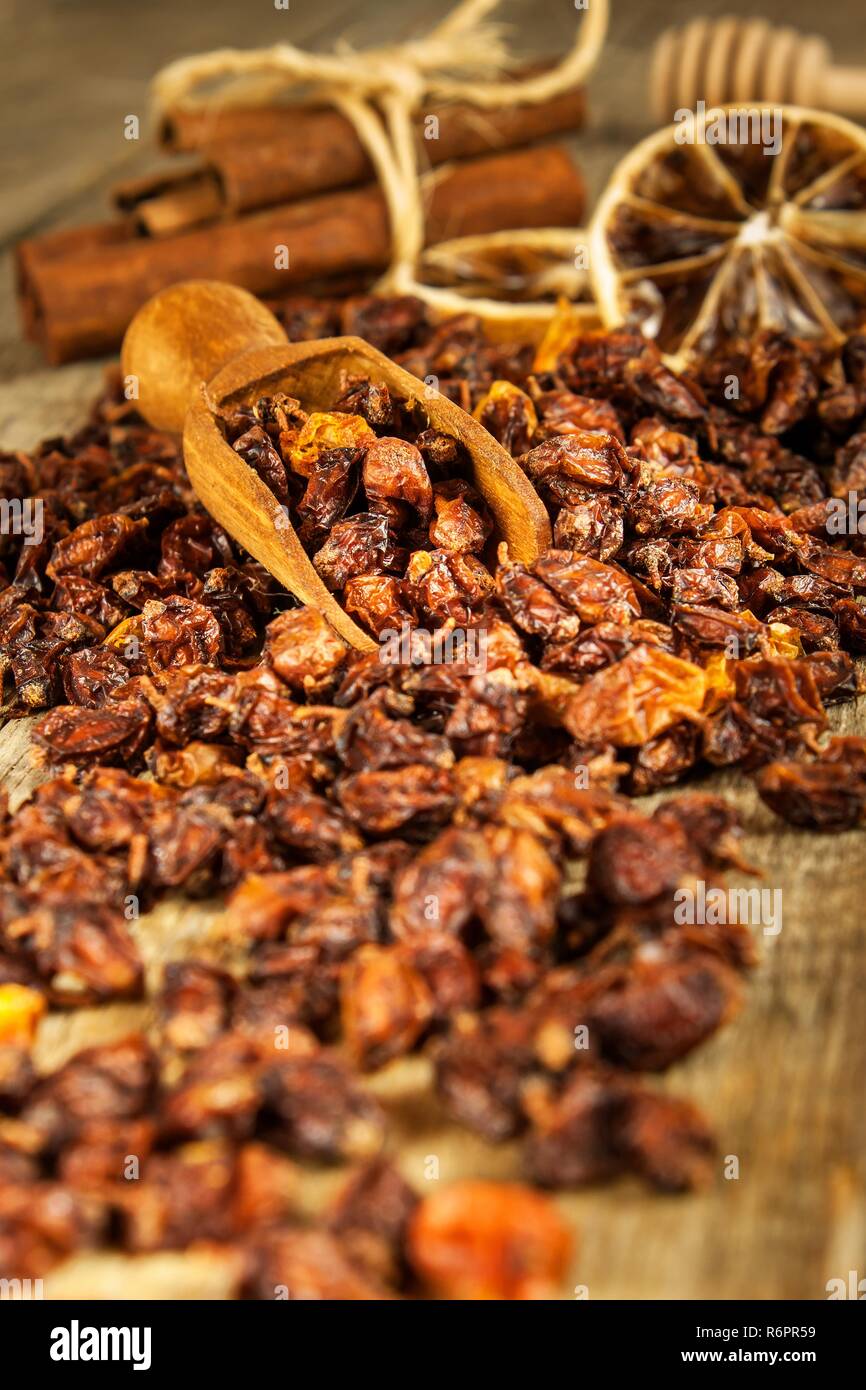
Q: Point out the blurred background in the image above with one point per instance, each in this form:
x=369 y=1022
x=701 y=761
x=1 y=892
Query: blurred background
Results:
x=75 y=68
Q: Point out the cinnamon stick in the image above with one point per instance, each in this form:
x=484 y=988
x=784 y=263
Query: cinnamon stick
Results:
x=186 y=129
x=79 y=304
x=172 y=200
x=324 y=152
x=36 y=256
x=262 y=156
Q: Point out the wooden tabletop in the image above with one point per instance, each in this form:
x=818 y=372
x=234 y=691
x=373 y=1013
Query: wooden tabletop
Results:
x=783 y=1084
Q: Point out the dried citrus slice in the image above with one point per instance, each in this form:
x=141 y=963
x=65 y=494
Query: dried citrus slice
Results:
x=504 y=271
x=700 y=242
x=534 y=264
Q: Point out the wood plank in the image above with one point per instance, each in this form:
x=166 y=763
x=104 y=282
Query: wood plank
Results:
x=783 y=1082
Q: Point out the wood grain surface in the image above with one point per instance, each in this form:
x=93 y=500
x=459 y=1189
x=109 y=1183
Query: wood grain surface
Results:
x=783 y=1084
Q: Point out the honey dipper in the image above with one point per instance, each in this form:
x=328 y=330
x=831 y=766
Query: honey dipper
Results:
x=730 y=60
x=200 y=346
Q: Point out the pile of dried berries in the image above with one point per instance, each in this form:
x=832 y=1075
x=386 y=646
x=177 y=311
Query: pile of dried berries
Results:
x=436 y=855
x=66 y=1183
x=455 y=353
x=382 y=503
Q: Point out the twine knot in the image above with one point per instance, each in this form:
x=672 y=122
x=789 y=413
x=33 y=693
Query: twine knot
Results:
x=464 y=58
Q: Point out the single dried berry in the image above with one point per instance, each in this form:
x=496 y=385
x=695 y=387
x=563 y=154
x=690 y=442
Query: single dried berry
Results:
x=180 y=632
x=394 y=471
x=363 y=544
x=589 y=457
x=318 y=1111
x=481 y=1240
x=94 y=546
x=602 y=1125
x=636 y=698
x=385 y=1004
x=303 y=649
x=828 y=793
x=322 y=432
x=114 y=733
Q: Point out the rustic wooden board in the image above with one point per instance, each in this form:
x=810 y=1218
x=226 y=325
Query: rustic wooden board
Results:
x=783 y=1084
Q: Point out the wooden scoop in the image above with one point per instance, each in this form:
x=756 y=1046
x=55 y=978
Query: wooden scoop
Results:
x=202 y=345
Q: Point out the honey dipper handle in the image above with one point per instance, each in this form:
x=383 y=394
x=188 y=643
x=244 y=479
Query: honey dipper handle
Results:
x=741 y=60
x=183 y=336
x=844 y=90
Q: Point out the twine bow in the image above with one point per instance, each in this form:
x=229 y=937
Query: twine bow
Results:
x=464 y=58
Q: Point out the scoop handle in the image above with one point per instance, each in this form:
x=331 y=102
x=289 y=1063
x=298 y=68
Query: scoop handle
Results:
x=182 y=337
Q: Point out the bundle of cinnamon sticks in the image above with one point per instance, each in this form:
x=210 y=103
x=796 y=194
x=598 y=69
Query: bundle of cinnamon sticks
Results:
x=281 y=200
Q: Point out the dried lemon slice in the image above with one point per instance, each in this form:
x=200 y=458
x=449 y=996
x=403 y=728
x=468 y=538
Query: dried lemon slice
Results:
x=748 y=218
x=541 y=263
x=508 y=270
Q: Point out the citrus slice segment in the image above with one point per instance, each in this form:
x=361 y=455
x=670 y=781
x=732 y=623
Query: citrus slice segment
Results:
x=501 y=271
x=740 y=220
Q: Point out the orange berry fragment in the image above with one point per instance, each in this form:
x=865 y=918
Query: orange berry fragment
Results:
x=20 y=1011
x=489 y=1240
